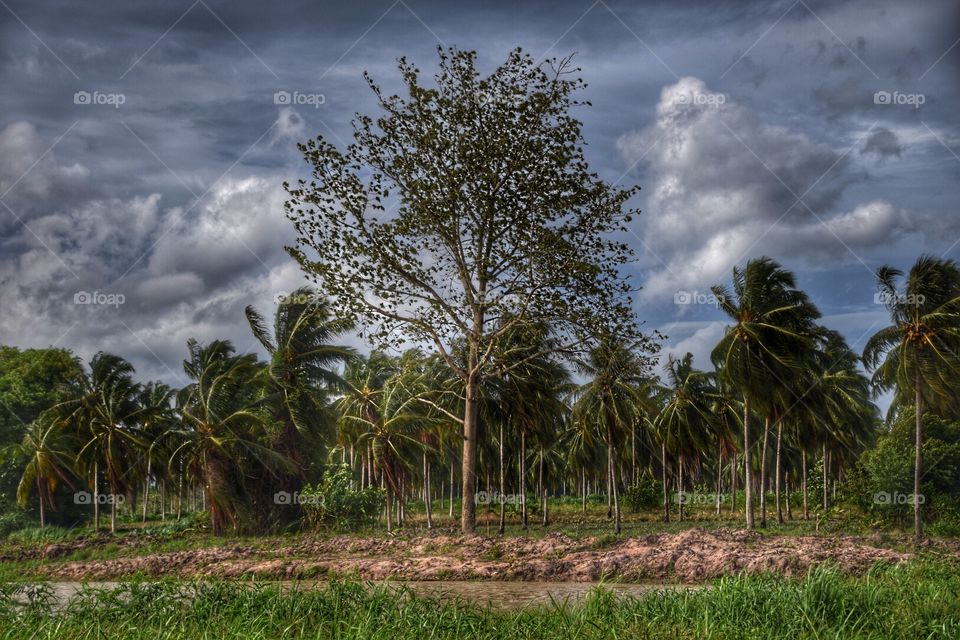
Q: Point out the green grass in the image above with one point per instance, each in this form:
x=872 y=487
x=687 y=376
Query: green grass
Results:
x=921 y=600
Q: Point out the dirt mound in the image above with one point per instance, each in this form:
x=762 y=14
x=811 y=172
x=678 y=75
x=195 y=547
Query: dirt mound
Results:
x=692 y=556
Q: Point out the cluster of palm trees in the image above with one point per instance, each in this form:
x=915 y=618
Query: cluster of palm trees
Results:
x=784 y=395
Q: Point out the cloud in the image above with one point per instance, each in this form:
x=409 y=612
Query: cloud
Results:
x=726 y=186
x=883 y=143
x=28 y=165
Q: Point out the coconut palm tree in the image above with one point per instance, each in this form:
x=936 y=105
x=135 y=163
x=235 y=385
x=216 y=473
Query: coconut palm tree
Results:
x=224 y=427
x=303 y=366
x=49 y=452
x=156 y=420
x=105 y=415
x=686 y=423
x=772 y=324
x=612 y=401
x=918 y=353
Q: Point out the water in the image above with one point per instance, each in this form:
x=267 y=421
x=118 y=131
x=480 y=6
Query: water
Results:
x=496 y=594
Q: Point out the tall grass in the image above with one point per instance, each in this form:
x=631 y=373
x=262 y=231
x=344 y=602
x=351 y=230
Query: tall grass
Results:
x=921 y=600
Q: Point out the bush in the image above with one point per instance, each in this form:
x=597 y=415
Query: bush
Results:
x=647 y=493
x=14 y=521
x=333 y=504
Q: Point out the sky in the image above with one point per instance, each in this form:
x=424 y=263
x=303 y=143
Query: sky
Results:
x=143 y=147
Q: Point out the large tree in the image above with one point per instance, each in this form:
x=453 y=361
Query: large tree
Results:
x=463 y=210
x=919 y=353
x=763 y=349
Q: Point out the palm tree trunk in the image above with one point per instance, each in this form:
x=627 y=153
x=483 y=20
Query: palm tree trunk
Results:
x=613 y=482
x=583 y=497
x=918 y=462
x=43 y=521
x=763 y=473
x=666 y=489
x=719 y=476
x=733 y=483
x=543 y=489
x=633 y=456
x=682 y=497
x=503 y=489
x=389 y=508
x=523 y=479
x=747 y=464
x=96 y=495
x=451 y=489
x=426 y=491
x=777 y=471
x=803 y=481
x=146 y=488
x=113 y=513
x=826 y=463
x=787 y=496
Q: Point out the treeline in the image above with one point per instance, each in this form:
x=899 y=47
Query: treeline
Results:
x=785 y=400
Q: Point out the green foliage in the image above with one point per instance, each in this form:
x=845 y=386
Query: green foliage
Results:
x=334 y=504
x=917 y=601
x=646 y=493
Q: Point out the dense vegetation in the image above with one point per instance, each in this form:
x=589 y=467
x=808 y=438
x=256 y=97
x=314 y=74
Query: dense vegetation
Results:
x=920 y=601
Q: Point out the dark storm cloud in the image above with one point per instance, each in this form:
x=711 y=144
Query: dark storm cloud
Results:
x=173 y=198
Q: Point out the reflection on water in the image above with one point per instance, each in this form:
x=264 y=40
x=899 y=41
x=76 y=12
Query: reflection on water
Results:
x=496 y=594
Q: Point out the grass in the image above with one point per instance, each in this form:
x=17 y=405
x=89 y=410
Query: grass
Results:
x=920 y=600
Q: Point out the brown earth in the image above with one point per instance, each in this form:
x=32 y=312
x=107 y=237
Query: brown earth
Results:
x=692 y=556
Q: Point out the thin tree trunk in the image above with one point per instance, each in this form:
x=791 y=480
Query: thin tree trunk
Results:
x=763 y=473
x=826 y=463
x=680 y=494
x=666 y=488
x=426 y=490
x=451 y=489
x=733 y=483
x=503 y=489
x=918 y=462
x=146 y=488
x=468 y=509
x=719 y=477
x=803 y=483
x=543 y=490
x=787 y=495
x=777 y=471
x=613 y=481
x=389 y=508
x=583 y=477
x=747 y=464
x=523 y=479
x=43 y=520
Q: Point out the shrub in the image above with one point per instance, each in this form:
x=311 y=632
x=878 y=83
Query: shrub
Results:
x=647 y=493
x=333 y=504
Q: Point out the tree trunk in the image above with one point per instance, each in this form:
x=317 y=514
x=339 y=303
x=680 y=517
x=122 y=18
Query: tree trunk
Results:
x=666 y=488
x=747 y=464
x=523 y=479
x=451 y=489
x=583 y=477
x=681 y=496
x=719 y=477
x=918 y=463
x=826 y=463
x=389 y=508
x=613 y=481
x=96 y=495
x=146 y=488
x=468 y=507
x=777 y=471
x=787 y=496
x=43 y=521
x=426 y=490
x=543 y=490
x=503 y=489
x=763 y=474
x=803 y=482
x=733 y=483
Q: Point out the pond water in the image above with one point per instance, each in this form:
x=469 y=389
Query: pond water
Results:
x=496 y=594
